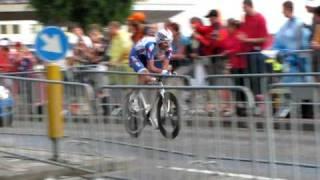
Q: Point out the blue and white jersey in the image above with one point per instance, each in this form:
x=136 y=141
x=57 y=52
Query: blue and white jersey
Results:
x=145 y=50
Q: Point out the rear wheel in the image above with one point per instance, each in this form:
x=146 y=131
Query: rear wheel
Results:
x=168 y=114
x=133 y=114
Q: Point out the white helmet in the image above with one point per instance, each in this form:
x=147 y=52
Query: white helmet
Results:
x=164 y=35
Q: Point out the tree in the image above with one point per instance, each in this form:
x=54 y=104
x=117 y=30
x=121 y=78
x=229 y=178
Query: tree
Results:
x=84 y=12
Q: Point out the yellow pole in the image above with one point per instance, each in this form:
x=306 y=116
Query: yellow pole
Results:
x=55 y=107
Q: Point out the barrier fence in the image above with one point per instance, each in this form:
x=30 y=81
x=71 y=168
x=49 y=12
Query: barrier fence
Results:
x=243 y=126
x=25 y=126
x=200 y=141
x=212 y=146
x=208 y=144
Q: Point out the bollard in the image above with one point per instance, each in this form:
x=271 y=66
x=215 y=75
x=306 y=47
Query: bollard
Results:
x=55 y=108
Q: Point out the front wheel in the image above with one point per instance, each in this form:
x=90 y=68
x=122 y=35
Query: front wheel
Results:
x=133 y=115
x=168 y=115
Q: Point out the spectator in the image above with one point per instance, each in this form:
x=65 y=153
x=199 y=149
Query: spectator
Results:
x=98 y=44
x=119 y=51
x=135 y=26
x=195 y=45
x=209 y=36
x=179 y=45
x=83 y=46
x=232 y=45
x=236 y=64
x=293 y=36
x=254 y=28
x=5 y=64
x=22 y=59
x=315 y=44
x=197 y=48
x=98 y=56
x=254 y=37
x=215 y=36
x=167 y=27
x=311 y=5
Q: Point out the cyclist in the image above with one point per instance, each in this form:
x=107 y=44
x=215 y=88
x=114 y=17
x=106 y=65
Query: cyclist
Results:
x=151 y=54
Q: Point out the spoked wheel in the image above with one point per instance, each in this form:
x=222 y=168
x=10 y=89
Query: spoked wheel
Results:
x=168 y=114
x=133 y=115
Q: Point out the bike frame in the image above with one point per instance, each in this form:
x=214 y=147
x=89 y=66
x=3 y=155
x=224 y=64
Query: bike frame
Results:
x=153 y=106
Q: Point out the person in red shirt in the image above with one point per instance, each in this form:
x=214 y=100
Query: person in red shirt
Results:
x=235 y=64
x=210 y=37
x=254 y=37
x=254 y=28
x=5 y=64
x=232 y=46
x=201 y=35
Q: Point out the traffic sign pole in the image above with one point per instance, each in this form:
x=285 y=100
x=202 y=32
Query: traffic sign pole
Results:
x=51 y=45
x=55 y=98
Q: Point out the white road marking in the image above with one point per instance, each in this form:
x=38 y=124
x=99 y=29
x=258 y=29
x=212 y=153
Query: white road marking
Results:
x=218 y=173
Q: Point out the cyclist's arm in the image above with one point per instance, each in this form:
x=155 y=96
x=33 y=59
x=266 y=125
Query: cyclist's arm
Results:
x=166 y=60
x=152 y=67
x=150 y=48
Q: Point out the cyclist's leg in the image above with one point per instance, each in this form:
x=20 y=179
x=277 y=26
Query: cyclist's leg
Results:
x=144 y=78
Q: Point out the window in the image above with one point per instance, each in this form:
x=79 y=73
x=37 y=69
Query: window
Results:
x=16 y=29
x=3 y=29
x=35 y=28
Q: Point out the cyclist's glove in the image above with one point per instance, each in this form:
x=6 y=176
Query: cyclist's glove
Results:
x=165 y=72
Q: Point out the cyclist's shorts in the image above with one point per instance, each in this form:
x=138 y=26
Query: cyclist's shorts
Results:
x=137 y=65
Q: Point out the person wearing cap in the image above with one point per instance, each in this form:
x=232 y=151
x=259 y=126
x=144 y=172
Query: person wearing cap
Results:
x=212 y=41
x=209 y=36
x=135 y=26
x=138 y=17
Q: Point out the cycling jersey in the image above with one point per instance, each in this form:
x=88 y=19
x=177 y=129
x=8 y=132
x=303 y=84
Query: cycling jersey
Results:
x=146 y=50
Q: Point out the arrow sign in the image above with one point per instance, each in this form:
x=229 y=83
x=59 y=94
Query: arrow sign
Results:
x=51 y=44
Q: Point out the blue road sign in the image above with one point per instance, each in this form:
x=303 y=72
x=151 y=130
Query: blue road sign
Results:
x=51 y=44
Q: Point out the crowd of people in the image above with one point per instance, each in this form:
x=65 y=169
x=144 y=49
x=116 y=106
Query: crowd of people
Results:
x=217 y=44
x=113 y=44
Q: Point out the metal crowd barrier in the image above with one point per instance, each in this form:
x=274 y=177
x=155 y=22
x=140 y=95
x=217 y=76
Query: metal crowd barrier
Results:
x=92 y=141
x=296 y=144
x=278 y=94
x=25 y=124
x=208 y=146
x=120 y=78
x=107 y=98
